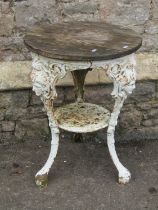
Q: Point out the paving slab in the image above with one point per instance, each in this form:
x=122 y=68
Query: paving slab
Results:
x=83 y=177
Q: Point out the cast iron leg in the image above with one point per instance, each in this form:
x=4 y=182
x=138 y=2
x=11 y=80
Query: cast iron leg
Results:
x=44 y=77
x=124 y=83
x=41 y=177
x=79 y=79
x=124 y=174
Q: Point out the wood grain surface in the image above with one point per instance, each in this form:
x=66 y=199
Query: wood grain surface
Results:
x=82 y=41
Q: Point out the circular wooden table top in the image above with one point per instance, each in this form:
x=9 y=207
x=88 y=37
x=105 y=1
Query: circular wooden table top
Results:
x=82 y=41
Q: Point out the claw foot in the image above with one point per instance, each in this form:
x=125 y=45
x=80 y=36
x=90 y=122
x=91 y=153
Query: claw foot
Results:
x=41 y=180
x=124 y=176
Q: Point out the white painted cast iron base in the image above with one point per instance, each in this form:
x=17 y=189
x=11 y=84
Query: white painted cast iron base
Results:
x=46 y=73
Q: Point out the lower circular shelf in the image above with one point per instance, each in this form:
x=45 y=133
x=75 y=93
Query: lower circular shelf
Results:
x=82 y=117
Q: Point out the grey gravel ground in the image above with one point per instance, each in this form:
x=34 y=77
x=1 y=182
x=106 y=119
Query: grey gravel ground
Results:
x=83 y=177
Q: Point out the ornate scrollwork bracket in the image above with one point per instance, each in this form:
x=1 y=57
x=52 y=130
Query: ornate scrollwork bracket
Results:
x=45 y=75
x=123 y=76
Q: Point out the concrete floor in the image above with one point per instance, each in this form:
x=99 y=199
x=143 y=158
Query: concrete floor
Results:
x=83 y=177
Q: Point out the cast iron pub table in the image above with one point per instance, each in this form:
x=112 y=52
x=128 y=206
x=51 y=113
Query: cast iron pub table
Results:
x=79 y=47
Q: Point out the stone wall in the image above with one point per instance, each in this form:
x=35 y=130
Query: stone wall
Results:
x=22 y=116
x=17 y=16
x=21 y=113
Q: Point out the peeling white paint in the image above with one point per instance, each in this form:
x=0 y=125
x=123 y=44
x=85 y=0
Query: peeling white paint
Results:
x=46 y=73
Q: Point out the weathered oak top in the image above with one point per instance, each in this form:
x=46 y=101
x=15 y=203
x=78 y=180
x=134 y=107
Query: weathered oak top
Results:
x=82 y=41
